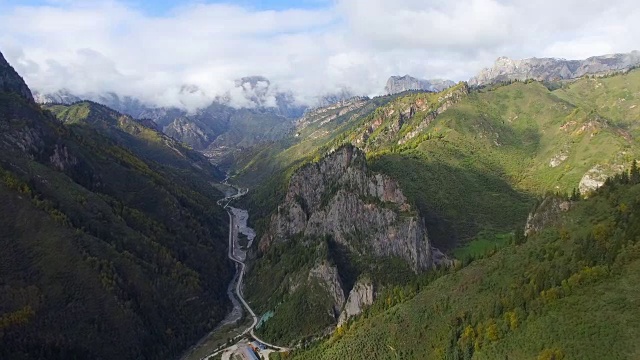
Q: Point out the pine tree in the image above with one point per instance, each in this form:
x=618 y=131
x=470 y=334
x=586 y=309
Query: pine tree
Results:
x=634 y=173
x=575 y=195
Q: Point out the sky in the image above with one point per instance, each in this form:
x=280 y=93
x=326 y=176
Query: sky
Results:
x=153 y=50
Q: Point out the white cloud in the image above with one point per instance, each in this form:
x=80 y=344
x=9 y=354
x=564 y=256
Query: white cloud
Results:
x=93 y=46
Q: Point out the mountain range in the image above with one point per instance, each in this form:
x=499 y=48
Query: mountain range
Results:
x=551 y=69
x=396 y=226
x=471 y=164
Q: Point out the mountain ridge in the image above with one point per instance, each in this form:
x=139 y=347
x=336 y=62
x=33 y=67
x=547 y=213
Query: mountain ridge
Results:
x=398 y=84
x=554 y=69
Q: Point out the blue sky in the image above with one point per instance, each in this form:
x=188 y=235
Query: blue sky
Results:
x=151 y=49
x=164 y=7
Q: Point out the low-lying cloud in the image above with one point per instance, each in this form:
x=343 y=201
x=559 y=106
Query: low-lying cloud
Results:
x=90 y=46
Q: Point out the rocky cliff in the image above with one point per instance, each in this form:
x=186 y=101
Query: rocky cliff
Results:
x=361 y=296
x=547 y=213
x=325 y=114
x=365 y=212
x=407 y=117
x=398 y=84
x=550 y=69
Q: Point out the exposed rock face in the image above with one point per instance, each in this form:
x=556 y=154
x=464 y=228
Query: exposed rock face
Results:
x=189 y=133
x=329 y=279
x=549 y=69
x=596 y=176
x=11 y=81
x=558 y=159
x=61 y=159
x=328 y=113
x=367 y=213
x=393 y=117
x=546 y=213
x=398 y=84
x=446 y=102
x=361 y=296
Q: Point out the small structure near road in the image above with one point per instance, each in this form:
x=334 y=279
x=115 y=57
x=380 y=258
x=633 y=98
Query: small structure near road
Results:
x=257 y=346
x=248 y=353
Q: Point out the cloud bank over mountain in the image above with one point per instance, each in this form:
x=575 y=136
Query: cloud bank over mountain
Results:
x=97 y=46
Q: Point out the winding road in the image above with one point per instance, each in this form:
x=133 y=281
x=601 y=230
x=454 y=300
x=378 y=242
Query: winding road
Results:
x=240 y=271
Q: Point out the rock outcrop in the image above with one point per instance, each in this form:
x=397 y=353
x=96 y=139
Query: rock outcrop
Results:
x=361 y=296
x=596 y=176
x=367 y=213
x=325 y=114
x=329 y=278
x=546 y=213
x=419 y=113
x=398 y=84
x=189 y=132
x=550 y=69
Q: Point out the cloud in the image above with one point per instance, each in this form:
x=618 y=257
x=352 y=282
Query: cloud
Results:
x=97 y=46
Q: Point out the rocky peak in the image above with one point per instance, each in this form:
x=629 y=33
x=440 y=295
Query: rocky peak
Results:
x=398 y=84
x=11 y=81
x=551 y=69
x=340 y=198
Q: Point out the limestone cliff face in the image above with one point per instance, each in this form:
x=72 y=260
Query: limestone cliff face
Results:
x=398 y=84
x=329 y=278
x=548 y=212
x=547 y=69
x=361 y=296
x=367 y=213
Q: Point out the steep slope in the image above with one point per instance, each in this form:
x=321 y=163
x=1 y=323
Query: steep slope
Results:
x=141 y=136
x=110 y=250
x=550 y=69
x=10 y=81
x=575 y=297
x=339 y=225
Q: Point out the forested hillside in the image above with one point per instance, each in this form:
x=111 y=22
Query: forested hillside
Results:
x=566 y=291
x=112 y=243
x=473 y=162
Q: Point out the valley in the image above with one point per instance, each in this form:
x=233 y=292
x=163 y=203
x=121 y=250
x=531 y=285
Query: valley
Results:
x=243 y=337
x=497 y=217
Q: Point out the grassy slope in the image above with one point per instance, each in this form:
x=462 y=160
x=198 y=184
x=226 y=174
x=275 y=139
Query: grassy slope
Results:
x=568 y=290
x=118 y=254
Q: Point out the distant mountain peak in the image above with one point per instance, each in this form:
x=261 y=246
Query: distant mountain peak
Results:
x=11 y=81
x=550 y=69
x=397 y=84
